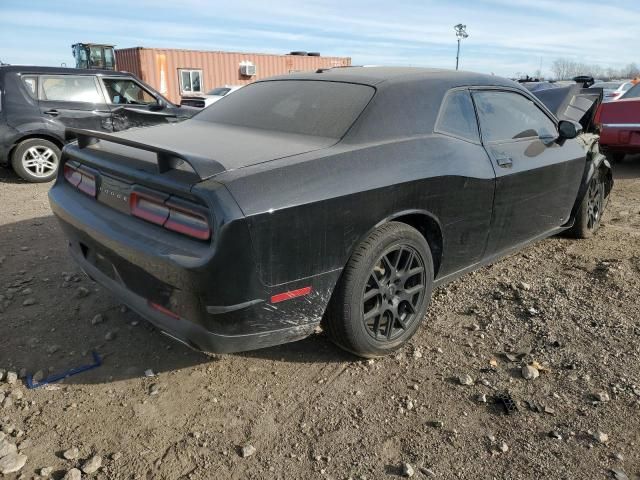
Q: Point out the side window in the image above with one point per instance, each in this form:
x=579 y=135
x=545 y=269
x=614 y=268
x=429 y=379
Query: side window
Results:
x=31 y=85
x=69 y=88
x=190 y=81
x=506 y=116
x=458 y=116
x=124 y=91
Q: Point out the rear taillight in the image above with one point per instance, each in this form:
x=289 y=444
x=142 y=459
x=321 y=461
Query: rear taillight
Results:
x=81 y=178
x=148 y=207
x=72 y=175
x=187 y=220
x=173 y=214
x=597 y=116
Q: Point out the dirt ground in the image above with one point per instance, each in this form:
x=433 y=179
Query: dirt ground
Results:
x=313 y=411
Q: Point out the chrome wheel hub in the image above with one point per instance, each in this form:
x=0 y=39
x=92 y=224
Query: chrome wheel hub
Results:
x=40 y=161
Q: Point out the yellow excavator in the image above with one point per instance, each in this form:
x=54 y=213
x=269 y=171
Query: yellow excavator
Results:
x=95 y=56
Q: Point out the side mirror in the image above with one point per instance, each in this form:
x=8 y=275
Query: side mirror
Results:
x=156 y=107
x=568 y=129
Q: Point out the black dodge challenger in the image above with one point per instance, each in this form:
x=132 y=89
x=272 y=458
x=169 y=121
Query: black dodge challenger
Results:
x=340 y=197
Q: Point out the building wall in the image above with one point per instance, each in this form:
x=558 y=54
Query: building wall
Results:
x=160 y=67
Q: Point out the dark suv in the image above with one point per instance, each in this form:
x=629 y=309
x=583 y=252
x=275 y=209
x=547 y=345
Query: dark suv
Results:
x=38 y=103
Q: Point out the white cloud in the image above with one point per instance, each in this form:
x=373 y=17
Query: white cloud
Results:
x=505 y=36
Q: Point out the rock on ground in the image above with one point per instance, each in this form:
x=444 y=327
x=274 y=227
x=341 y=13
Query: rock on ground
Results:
x=529 y=372
x=247 y=451
x=46 y=472
x=601 y=437
x=12 y=463
x=407 y=470
x=73 y=474
x=7 y=448
x=71 y=453
x=92 y=465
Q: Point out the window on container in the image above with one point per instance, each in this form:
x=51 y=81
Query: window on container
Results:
x=307 y=107
x=190 y=81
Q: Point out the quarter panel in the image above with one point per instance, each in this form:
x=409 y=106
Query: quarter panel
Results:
x=307 y=214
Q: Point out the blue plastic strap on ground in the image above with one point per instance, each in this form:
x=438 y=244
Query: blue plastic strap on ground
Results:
x=97 y=361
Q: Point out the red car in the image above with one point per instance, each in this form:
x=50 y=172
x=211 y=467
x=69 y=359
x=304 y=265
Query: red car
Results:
x=619 y=124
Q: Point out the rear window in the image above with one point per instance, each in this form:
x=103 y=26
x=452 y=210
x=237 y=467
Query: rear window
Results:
x=306 y=107
x=220 y=91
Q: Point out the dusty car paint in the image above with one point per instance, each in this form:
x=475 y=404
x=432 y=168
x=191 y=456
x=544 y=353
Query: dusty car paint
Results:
x=287 y=212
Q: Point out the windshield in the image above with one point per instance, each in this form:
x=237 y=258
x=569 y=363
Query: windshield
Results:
x=220 y=91
x=306 y=107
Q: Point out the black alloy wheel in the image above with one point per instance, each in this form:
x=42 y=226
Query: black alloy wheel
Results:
x=393 y=293
x=383 y=293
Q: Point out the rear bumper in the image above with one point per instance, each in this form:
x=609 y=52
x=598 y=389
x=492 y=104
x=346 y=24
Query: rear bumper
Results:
x=194 y=335
x=215 y=299
x=620 y=138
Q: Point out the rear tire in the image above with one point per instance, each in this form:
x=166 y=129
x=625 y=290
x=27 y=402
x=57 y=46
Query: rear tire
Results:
x=36 y=160
x=589 y=214
x=383 y=293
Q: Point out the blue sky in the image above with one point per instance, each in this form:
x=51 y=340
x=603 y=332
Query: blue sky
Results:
x=507 y=37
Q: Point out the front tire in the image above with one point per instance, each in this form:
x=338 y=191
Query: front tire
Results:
x=591 y=209
x=36 y=160
x=383 y=293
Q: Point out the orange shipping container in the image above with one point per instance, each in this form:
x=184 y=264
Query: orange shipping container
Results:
x=187 y=72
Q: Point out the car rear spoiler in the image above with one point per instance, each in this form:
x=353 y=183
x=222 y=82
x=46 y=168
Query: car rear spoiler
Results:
x=166 y=160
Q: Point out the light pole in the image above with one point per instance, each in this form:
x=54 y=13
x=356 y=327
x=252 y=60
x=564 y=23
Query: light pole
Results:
x=461 y=33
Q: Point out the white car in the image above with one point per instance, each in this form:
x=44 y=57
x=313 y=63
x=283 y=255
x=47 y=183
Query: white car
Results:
x=211 y=97
x=612 y=90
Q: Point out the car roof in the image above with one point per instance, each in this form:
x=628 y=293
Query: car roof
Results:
x=376 y=76
x=60 y=70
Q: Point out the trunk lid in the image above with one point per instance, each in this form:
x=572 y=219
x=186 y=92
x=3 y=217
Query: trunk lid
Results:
x=208 y=148
x=620 y=112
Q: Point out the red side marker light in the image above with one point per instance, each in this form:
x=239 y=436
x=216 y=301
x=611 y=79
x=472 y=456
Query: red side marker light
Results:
x=281 y=297
x=163 y=310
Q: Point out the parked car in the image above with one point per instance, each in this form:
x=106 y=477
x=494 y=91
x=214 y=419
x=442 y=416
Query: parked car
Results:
x=211 y=97
x=342 y=196
x=38 y=103
x=613 y=90
x=619 y=125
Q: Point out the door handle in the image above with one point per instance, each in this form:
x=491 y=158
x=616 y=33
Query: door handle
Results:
x=53 y=113
x=504 y=162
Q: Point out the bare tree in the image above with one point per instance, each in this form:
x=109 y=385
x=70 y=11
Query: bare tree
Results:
x=566 y=69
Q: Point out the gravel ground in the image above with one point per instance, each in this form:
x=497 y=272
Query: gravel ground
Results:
x=308 y=410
